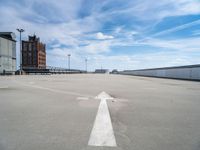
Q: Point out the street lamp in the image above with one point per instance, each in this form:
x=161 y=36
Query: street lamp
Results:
x=86 y=65
x=69 y=61
x=20 y=31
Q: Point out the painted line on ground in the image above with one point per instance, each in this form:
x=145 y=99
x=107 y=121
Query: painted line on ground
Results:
x=102 y=133
x=56 y=91
x=4 y=87
x=82 y=98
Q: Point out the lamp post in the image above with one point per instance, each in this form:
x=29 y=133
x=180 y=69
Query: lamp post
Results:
x=20 y=31
x=69 y=61
x=86 y=65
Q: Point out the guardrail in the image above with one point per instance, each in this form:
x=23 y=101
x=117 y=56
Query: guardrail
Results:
x=50 y=70
x=191 y=72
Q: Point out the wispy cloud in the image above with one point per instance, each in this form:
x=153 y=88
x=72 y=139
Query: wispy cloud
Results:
x=178 y=28
x=196 y=33
x=181 y=45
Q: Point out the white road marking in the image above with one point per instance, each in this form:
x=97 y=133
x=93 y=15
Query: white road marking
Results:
x=57 y=91
x=54 y=90
x=102 y=133
x=4 y=87
x=149 y=88
x=82 y=98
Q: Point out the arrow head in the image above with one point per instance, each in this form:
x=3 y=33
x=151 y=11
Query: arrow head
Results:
x=103 y=95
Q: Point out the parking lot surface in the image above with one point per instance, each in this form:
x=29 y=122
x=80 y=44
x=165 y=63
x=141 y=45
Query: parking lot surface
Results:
x=57 y=112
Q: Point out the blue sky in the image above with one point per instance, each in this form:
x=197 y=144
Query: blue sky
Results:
x=114 y=34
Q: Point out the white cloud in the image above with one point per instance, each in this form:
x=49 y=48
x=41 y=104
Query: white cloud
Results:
x=96 y=47
x=101 y=36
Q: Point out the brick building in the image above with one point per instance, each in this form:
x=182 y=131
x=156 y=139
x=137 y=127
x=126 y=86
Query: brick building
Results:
x=33 y=53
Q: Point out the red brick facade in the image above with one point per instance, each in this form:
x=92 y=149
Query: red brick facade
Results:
x=33 y=53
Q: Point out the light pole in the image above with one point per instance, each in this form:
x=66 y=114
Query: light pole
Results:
x=20 y=31
x=86 y=65
x=69 y=61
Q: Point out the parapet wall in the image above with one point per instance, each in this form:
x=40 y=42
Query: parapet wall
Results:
x=191 y=72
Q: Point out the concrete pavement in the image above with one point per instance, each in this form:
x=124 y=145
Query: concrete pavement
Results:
x=48 y=112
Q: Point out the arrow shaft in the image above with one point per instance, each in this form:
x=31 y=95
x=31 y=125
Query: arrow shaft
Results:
x=102 y=133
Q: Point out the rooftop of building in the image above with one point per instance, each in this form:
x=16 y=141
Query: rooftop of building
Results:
x=8 y=35
x=33 y=38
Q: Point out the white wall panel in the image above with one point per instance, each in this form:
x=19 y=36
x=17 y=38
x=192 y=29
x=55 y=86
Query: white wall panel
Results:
x=196 y=73
x=7 y=52
x=14 y=64
x=180 y=73
x=4 y=47
x=10 y=48
x=1 y=68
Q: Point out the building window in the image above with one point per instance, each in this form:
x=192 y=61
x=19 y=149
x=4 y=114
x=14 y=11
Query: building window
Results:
x=30 y=46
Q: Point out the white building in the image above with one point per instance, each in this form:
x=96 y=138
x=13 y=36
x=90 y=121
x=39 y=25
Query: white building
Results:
x=7 y=53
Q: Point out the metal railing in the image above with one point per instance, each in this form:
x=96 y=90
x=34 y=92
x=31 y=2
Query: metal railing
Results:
x=50 y=70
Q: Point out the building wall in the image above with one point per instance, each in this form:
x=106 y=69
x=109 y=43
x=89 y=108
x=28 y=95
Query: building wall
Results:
x=29 y=55
x=186 y=72
x=41 y=55
x=7 y=55
x=42 y=59
x=33 y=54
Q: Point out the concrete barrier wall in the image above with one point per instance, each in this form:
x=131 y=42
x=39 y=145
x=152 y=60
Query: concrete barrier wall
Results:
x=182 y=72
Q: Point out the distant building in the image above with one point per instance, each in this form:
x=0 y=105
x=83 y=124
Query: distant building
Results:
x=33 y=53
x=101 y=71
x=7 y=53
x=114 y=71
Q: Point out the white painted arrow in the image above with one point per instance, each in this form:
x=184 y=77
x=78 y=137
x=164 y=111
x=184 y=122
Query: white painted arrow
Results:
x=102 y=133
